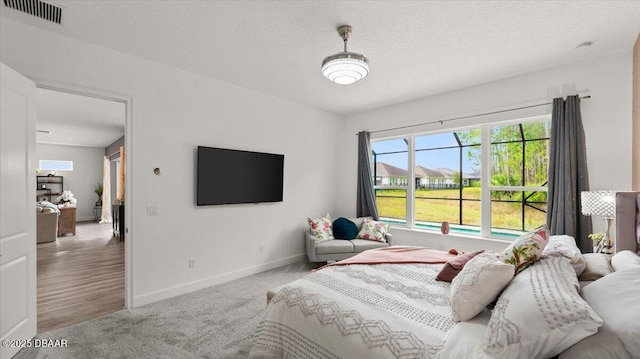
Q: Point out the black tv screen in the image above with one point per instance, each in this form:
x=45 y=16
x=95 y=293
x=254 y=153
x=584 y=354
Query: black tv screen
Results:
x=226 y=176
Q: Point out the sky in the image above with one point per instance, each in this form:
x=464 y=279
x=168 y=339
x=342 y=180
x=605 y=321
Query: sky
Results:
x=443 y=158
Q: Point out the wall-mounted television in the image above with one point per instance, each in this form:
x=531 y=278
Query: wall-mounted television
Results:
x=226 y=176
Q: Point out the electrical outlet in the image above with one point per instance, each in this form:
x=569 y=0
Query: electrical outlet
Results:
x=261 y=248
x=192 y=262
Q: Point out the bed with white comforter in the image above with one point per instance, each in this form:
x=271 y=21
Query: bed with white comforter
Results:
x=358 y=311
x=401 y=311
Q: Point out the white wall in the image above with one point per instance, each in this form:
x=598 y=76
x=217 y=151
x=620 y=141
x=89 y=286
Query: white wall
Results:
x=86 y=174
x=636 y=117
x=606 y=118
x=174 y=111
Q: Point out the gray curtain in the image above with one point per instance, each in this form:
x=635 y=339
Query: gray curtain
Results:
x=568 y=173
x=366 y=200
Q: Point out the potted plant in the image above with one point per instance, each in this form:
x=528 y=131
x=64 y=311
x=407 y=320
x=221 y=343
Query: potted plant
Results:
x=98 y=190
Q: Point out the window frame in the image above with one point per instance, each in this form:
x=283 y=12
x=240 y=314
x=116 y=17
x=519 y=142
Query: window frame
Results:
x=486 y=165
x=68 y=165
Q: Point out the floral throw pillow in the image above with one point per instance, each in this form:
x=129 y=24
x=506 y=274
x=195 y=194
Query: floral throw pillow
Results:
x=527 y=249
x=373 y=230
x=320 y=228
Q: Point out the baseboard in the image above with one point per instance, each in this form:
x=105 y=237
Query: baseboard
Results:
x=211 y=281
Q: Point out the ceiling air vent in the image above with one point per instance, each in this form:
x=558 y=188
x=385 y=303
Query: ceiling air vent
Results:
x=37 y=8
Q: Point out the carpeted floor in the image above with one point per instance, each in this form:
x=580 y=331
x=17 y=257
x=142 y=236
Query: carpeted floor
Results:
x=216 y=322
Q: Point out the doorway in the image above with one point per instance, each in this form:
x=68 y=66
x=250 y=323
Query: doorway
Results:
x=81 y=275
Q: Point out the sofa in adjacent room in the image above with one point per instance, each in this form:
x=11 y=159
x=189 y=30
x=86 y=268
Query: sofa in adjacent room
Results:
x=331 y=250
x=46 y=225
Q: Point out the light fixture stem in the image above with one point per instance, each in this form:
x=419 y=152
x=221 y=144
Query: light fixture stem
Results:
x=345 y=43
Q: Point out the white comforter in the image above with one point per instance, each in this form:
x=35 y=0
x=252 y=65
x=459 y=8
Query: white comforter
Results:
x=358 y=311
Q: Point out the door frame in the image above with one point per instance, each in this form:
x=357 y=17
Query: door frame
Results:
x=128 y=185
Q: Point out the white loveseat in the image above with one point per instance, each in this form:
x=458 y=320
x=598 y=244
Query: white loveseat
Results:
x=338 y=249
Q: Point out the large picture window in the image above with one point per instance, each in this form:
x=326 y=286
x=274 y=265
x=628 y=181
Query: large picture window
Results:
x=423 y=180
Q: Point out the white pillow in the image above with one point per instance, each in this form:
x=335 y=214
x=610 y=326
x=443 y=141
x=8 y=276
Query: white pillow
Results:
x=615 y=297
x=625 y=260
x=562 y=245
x=602 y=345
x=540 y=314
x=478 y=284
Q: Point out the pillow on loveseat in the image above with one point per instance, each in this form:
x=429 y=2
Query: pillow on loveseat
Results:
x=373 y=230
x=320 y=228
x=344 y=229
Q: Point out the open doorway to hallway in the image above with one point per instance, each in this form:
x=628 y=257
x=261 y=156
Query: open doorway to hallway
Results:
x=80 y=259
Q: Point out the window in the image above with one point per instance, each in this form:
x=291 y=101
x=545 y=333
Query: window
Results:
x=51 y=165
x=423 y=180
x=519 y=166
x=391 y=179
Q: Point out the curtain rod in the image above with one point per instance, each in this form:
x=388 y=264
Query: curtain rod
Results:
x=470 y=116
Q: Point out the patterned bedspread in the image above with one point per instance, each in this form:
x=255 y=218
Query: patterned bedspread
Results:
x=358 y=311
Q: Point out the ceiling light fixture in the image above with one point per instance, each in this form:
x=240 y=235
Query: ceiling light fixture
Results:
x=345 y=68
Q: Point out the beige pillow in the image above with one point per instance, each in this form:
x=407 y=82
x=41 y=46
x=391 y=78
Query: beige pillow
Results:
x=478 y=284
x=597 y=265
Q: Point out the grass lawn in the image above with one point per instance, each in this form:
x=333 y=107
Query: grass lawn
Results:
x=392 y=204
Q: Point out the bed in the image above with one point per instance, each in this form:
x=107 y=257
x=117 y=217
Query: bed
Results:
x=400 y=310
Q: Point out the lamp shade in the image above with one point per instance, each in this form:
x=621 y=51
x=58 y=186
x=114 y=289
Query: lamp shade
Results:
x=599 y=203
x=345 y=68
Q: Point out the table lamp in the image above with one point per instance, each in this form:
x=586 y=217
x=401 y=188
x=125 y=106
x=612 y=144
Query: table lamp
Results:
x=601 y=203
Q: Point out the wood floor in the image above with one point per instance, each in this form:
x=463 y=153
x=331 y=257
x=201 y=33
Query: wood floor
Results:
x=80 y=277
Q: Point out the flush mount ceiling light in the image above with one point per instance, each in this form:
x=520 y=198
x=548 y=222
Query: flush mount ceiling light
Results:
x=345 y=68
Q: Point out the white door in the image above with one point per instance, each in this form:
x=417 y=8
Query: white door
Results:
x=17 y=210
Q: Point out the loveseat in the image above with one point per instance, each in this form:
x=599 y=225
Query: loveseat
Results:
x=338 y=249
x=46 y=225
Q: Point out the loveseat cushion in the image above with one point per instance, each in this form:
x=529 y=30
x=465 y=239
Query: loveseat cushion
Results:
x=360 y=245
x=334 y=246
x=344 y=229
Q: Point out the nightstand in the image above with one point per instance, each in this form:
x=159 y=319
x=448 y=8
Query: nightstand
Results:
x=67 y=221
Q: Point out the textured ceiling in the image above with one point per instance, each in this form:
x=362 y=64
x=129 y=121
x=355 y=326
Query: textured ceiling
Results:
x=415 y=48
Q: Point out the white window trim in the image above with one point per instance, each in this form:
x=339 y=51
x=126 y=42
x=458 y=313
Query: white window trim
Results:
x=485 y=189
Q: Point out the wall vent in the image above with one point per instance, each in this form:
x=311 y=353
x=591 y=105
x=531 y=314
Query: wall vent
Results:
x=37 y=8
